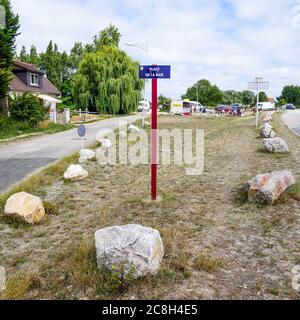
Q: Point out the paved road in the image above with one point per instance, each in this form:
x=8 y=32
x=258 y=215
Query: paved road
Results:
x=292 y=120
x=20 y=158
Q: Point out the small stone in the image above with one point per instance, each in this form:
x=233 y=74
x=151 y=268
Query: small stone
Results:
x=86 y=154
x=106 y=143
x=133 y=128
x=75 y=172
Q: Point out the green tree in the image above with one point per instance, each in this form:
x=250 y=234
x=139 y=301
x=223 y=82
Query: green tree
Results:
x=76 y=55
x=262 y=97
x=291 y=94
x=27 y=108
x=23 y=55
x=231 y=96
x=109 y=36
x=281 y=102
x=164 y=102
x=8 y=36
x=34 y=57
x=208 y=94
x=248 y=98
x=50 y=62
x=107 y=81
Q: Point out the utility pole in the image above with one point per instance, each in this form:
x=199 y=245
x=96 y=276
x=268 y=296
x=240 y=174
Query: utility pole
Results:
x=258 y=79
x=257 y=86
x=144 y=47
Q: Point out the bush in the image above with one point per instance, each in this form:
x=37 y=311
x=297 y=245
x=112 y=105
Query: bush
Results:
x=27 y=108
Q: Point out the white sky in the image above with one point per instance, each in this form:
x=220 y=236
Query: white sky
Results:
x=228 y=42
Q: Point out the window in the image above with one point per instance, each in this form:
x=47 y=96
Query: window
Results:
x=34 y=79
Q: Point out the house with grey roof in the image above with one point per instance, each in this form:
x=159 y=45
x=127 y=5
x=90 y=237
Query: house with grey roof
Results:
x=28 y=78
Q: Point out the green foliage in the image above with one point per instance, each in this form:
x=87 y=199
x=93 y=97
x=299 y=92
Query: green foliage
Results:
x=10 y=128
x=27 y=107
x=231 y=96
x=208 y=94
x=248 y=98
x=211 y=95
x=60 y=67
x=7 y=46
x=291 y=94
x=109 y=36
x=262 y=97
x=107 y=81
x=32 y=58
x=281 y=102
x=165 y=103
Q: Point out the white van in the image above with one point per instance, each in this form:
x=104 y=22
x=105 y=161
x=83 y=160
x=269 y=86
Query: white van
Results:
x=184 y=107
x=264 y=106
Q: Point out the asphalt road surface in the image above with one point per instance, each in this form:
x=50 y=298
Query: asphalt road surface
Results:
x=292 y=120
x=22 y=157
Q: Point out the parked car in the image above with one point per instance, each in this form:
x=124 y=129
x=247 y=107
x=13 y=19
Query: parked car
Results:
x=224 y=109
x=236 y=105
x=265 y=106
x=236 y=110
x=289 y=106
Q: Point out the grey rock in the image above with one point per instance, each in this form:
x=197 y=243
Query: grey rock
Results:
x=130 y=248
x=277 y=145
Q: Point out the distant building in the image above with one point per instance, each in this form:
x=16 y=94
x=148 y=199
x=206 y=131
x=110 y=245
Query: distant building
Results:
x=271 y=99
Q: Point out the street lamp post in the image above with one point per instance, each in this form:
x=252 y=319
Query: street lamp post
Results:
x=258 y=85
x=144 y=47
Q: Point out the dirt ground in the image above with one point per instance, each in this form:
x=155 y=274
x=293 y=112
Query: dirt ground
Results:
x=218 y=246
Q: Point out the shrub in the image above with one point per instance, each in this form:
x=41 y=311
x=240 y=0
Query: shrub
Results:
x=27 y=107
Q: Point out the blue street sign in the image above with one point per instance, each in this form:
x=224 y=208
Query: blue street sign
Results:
x=81 y=131
x=155 y=72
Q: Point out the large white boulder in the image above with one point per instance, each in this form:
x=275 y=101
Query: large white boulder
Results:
x=268 y=117
x=266 y=188
x=106 y=143
x=267 y=131
x=25 y=207
x=86 y=154
x=131 y=248
x=277 y=145
x=133 y=128
x=75 y=172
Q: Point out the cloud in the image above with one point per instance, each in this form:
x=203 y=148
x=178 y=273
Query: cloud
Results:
x=225 y=41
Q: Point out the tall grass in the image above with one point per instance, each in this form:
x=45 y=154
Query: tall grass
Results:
x=10 y=128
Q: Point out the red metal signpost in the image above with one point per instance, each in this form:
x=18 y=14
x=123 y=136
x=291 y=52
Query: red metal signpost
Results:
x=154 y=72
x=154 y=141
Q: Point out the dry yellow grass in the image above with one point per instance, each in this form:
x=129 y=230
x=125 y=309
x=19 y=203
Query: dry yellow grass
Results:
x=249 y=246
